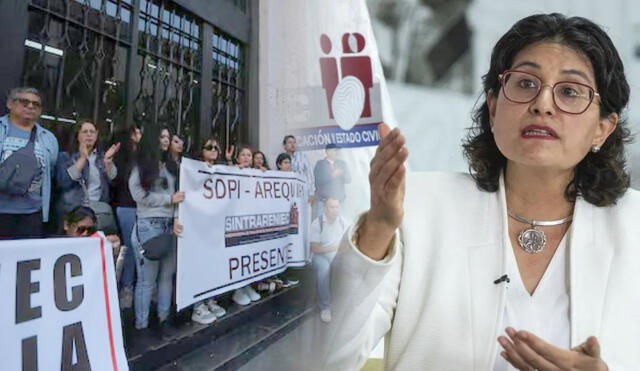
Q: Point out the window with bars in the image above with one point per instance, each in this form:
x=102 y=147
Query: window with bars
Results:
x=76 y=53
x=228 y=86
x=169 y=50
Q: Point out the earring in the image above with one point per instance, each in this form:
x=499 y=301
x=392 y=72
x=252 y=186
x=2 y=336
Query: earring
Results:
x=595 y=149
x=492 y=129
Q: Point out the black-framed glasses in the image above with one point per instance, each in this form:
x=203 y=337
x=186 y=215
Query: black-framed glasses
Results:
x=86 y=230
x=569 y=96
x=26 y=102
x=211 y=147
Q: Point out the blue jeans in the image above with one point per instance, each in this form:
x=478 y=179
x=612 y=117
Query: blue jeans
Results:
x=322 y=267
x=151 y=272
x=126 y=220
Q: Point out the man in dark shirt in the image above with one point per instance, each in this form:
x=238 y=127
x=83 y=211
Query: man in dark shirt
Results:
x=331 y=174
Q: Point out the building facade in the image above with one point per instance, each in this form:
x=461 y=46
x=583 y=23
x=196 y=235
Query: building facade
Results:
x=185 y=64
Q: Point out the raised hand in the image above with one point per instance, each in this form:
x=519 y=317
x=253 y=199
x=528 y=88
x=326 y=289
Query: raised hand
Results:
x=228 y=154
x=387 y=183
x=112 y=151
x=83 y=149
x=526 y=351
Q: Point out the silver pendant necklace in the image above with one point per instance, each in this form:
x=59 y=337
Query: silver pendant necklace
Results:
x=533 y=240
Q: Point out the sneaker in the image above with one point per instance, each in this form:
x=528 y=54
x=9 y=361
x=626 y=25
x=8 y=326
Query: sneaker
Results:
x=289 y=281
x=202 y=315
x=253 y=295
x=240 y=297
x=325 y=315
x=267 y=286
x=214 y=308
x=126 y=298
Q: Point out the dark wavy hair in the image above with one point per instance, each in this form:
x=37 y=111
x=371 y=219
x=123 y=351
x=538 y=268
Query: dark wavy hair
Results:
x=73 y=144
x=149 y=157
x=600 y=178
x=264 y=157
x=281 y=157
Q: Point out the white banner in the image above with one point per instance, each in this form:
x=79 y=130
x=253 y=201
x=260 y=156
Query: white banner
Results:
x=321 y=80
x=59 y=305
x=240 y=226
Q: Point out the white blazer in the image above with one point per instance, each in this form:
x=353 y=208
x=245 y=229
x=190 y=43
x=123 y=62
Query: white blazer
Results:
x=434 y=299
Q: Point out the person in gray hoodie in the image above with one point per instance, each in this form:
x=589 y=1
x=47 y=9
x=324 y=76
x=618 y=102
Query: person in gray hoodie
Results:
x=152 y=184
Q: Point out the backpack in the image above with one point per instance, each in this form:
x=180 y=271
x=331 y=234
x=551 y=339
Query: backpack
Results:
x=19 y=170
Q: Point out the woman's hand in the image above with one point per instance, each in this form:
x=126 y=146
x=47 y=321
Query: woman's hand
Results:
x=387 y=183
x=228 y=154
x=525 y=351
x=83 y=150
x=115 y=244
x=177 y=227
x=108 y=156
x=177 y=197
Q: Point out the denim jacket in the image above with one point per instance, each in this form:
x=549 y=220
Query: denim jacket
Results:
x=50 y=144
x=72 y=192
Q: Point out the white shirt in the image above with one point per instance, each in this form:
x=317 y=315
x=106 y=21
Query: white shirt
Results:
x=546 y=312
x=326 y=233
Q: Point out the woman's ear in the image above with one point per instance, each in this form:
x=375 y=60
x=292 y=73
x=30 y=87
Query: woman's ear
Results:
x=491 y=104
x=606 y=126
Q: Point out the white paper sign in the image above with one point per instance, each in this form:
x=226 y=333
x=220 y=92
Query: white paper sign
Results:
x=59 y=305
x=240 y=226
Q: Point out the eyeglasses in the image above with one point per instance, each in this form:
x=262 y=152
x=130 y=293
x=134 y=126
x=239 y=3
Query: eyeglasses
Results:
x=86 y=230
x=569 y=96
x=211 y=147
x=26 y=102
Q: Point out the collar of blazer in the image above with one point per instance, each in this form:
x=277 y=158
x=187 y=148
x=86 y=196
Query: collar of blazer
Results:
x=589 y=266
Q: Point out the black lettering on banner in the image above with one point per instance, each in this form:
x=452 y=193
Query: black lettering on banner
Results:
x=234 y=263
x=276 y=190
x=246 y=260
x=73 y=339
x=255 y=261
x=286 y=191
x=267 y=189
x=24 y=289
x=220 y=194
x=207 y=187
x=258 y=190
x=60 y=283
x=30 y=354
x=233 y=186
x=265 y=261
x=272 y=257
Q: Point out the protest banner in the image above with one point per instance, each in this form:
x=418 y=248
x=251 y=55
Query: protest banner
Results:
x=59 y=305
x=240 y=226
x=322 y=82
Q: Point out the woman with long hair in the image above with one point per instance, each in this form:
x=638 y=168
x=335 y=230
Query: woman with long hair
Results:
x=126 y=208
x=153 y=186
x=176 y=148
x=85 y=173
x=260 y=161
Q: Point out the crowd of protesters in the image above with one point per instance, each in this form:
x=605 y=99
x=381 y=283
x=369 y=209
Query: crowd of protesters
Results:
x=129 y=190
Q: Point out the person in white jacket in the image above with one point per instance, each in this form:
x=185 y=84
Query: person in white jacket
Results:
x=530 y=261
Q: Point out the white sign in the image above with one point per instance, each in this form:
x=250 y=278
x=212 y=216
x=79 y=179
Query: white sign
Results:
x=59 y=305
x=240 y=226
x=321 y=81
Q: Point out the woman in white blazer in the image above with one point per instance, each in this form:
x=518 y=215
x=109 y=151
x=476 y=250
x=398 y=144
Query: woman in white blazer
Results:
x=532 y=260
